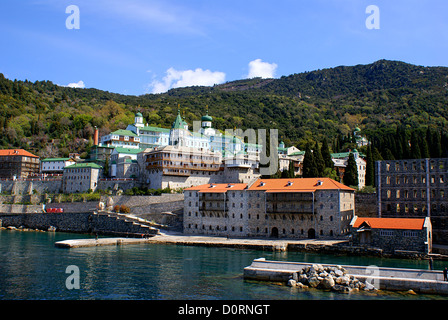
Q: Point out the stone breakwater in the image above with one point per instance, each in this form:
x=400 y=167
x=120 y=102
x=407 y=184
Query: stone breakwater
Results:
x=328 y=278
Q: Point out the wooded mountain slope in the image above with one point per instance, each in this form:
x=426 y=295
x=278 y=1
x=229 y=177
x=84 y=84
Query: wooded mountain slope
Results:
x=50 y=120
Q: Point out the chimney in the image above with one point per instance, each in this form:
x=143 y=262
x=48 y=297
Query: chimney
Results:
x=95 y=137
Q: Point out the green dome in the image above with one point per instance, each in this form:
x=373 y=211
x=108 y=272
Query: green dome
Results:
x=138 y=114
x=207 y=118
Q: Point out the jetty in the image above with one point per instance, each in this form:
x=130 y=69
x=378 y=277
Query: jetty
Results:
x=393 y=279
x=205 y=241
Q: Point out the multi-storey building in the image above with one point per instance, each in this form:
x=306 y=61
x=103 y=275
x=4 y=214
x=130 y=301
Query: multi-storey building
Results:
x=121 y=138
x=415 y=188
x=179 y=167
x=18 y=163
x=55 y=165
x=279 y=208
x=81 y=177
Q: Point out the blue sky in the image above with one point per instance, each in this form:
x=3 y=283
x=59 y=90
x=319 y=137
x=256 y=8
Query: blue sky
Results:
x=147 y=46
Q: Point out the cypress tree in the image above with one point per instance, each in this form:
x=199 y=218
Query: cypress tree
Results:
x=319 y=161
x=326 y=155
x=351 y=172
x=424 y=150
x=435 y=148
x=370 y=167
x=309 y=166
x=415 y=147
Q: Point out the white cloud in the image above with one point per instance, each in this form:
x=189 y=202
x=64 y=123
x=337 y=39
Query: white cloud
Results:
x=186 y=78
x=79 y=84
x=258 y=68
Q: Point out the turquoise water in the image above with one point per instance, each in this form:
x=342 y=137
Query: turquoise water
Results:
x=32 y=268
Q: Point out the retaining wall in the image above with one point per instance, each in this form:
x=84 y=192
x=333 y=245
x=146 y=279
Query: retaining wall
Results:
x=84 y=222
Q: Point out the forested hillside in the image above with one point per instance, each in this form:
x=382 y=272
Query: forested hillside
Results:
x=381 y=98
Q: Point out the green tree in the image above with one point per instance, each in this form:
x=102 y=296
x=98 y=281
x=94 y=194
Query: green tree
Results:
x=318 y=161
x=351 y=172
x=370 y=167
x=326 y=155
x=415 y=147
x=309 y=165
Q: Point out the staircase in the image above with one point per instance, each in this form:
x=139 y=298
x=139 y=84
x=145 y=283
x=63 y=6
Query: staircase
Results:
x=125 y=225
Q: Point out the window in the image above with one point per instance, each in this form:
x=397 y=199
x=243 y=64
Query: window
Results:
x=410 y=234
x=386 y=233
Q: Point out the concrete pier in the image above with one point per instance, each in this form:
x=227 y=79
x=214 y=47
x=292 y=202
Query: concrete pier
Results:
x=205 y=241
x=395 y=279
x=82 y=243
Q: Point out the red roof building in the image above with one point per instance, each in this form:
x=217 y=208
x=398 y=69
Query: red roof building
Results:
x=18 y=163
x=276 y=208
x=393 y=235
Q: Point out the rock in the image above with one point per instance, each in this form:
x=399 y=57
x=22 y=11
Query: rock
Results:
x=338 y=273
x=344 y=280
x=327 y=282
x=303 y=279
x=313 y=282
x=292 y=283
x=368 y=286
x=342 y=289
x=410 y=291
x=301 y=286
x=295 y=276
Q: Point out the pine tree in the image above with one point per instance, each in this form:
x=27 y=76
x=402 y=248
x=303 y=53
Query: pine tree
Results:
x=351 y=172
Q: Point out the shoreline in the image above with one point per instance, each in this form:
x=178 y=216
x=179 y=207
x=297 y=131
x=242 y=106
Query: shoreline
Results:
x=330 y=246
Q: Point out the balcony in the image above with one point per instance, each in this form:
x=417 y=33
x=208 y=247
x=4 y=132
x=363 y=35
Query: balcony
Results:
x=188 y=167
x=289 y=209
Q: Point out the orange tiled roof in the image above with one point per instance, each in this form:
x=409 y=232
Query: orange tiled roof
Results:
x=391 y=223
x=298 y=185
x=17 y=152
x=218 y=187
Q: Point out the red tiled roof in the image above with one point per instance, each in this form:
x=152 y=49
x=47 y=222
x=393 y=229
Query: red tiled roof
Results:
x=391 y=223
x=298 y=185
x=218 y=187
x=17 y=152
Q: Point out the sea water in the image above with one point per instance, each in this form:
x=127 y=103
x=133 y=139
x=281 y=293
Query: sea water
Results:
x=32 y=268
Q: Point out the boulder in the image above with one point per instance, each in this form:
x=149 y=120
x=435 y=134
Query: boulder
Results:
x=338 y=273
x=292 y=283
x=327 y=282
x=303 y=279
x=344 y=280
x=342 y=289
x=313 y=282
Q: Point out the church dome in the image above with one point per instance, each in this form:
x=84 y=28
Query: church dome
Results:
x=138 y=114
x=207 y=118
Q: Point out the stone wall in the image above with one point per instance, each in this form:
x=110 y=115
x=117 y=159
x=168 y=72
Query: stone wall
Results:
x=366 y=204
x=28 y=187
x=87 y=222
